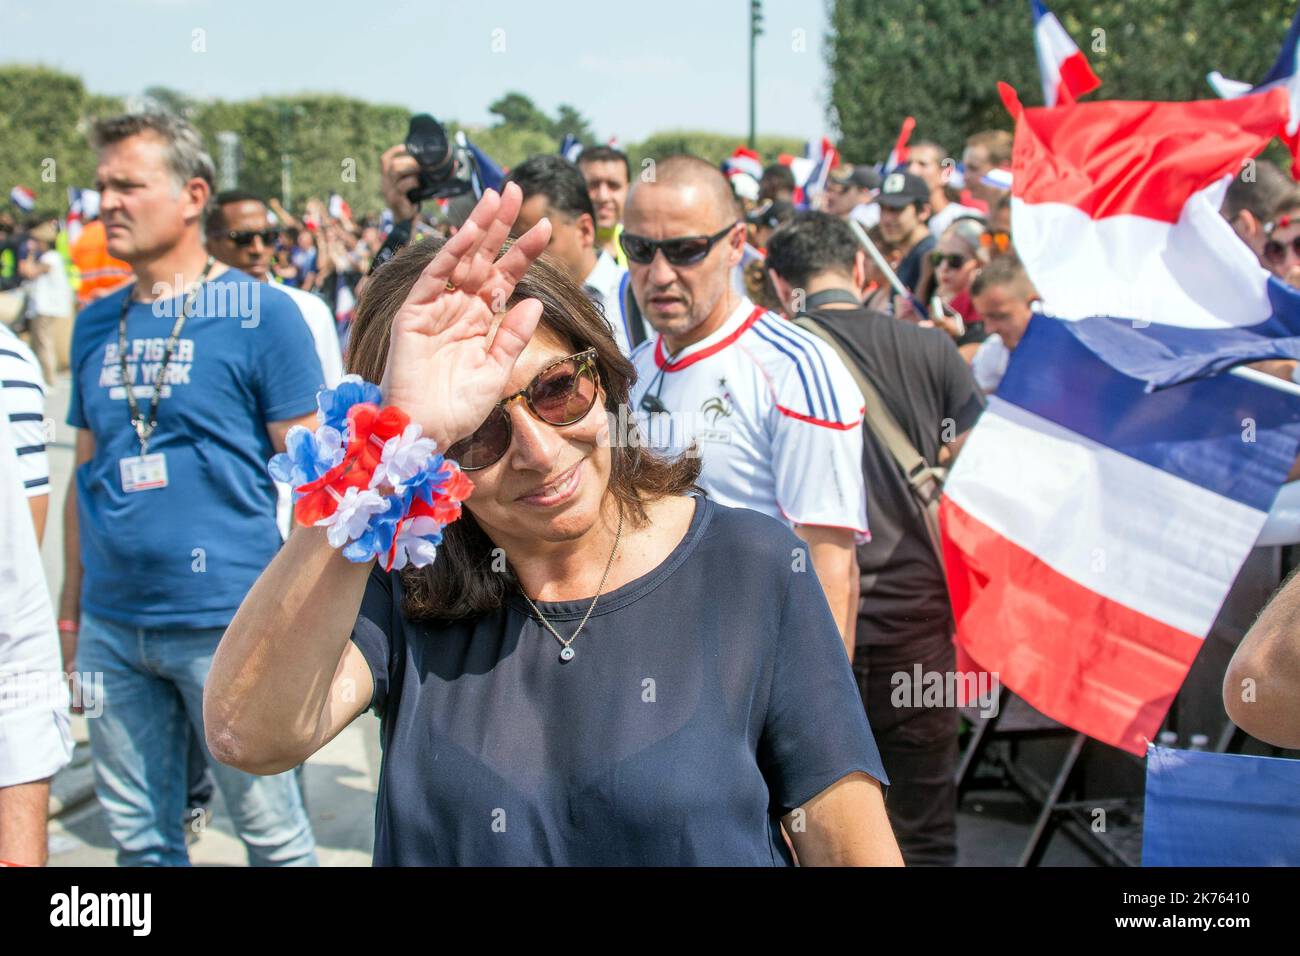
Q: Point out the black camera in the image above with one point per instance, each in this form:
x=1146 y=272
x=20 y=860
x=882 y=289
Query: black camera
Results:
x=446 y=167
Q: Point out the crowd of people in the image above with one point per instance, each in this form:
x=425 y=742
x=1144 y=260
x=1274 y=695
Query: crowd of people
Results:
x=717 y=496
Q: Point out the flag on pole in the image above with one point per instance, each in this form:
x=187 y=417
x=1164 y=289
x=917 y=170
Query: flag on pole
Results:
x=898 y=155
x=571 y=147
x=77 y=212
x=1063 y=68
x=811 y=170
x=486 y=173
x=1210 y=809
x=338 y=207
x=1115 y=212
x=23 y=198
x=825 y=157
x=1092 y=529
x=1284 y=75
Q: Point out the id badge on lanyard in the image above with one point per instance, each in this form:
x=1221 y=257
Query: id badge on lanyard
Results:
x=144 y=472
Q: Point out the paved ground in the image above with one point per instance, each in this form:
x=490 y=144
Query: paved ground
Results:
x=340 y=788
x=341 y=779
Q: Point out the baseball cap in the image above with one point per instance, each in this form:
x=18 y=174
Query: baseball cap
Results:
x=772 y=213
x=901 y=189
x=864 y=177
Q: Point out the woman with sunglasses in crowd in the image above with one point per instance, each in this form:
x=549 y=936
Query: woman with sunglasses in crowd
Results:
x=600 y=666
x=946 y=277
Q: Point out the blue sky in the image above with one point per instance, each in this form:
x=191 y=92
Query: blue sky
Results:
x=632 y=67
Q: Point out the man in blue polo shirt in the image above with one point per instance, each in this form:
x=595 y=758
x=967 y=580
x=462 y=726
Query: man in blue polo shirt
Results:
x=184 y=383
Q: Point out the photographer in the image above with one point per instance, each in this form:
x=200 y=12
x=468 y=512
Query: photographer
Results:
x=430 y=165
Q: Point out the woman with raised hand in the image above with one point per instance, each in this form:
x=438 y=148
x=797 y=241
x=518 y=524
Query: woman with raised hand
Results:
x=601 y=666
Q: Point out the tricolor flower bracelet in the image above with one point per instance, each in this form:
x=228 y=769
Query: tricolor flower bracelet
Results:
x=367 y=476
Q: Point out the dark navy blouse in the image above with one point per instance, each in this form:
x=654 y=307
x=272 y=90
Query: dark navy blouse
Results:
x=705 y=700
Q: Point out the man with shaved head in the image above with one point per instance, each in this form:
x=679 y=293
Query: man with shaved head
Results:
x=773 y=412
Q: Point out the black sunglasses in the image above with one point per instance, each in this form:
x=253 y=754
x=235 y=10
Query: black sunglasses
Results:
x=955 y=260
x=244 y=237
x=680 y=252
x=1275 y=252
x=560 y=394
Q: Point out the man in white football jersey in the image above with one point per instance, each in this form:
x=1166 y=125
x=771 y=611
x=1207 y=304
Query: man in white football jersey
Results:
x=773 y=412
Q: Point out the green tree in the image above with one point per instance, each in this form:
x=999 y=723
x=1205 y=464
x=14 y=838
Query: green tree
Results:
x=715 y=147
x=940 y=60
x=517 y=111
x=171 y=100
x=509 y=145
x=333 y=143
x=42 y=129
x=569 y=120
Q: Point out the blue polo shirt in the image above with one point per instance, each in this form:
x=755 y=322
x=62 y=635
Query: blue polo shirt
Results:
x=184 y=556
x=706 y=699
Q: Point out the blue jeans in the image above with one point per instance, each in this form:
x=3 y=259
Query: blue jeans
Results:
x=153 y=696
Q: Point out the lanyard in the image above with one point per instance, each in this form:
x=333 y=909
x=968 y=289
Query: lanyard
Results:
x=653 y=403
x=145 y=428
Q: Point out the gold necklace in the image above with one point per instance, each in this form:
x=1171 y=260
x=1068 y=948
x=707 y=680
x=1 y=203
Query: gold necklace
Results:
x=567 y=652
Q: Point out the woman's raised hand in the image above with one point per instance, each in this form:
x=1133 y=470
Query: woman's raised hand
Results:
x=443 y=370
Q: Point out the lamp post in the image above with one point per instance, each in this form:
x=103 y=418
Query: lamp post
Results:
x=288 y=114
x=755 y=31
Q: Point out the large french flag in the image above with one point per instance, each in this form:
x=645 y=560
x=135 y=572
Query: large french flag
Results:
x=1115 y=213
x=1063 y=68
x=1092 y=529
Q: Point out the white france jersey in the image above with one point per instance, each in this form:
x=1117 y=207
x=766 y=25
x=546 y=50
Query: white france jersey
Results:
x=776 y=415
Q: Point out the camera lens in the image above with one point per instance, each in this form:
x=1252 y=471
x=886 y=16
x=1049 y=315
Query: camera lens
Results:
x=426 y=141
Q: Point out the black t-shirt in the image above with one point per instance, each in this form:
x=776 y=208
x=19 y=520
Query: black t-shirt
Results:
x=706 y=699
x=909 y=270
x=924 y=382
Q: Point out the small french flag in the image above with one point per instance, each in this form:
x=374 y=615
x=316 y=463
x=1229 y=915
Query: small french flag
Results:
x=811 y=170
x=338 y=207
x=1062 y=66
x=898 y=155
x=23 y=198
x=571 y=148
x=1285 y=75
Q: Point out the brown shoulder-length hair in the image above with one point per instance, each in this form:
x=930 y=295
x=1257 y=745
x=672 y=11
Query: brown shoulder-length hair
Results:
x=462 y=582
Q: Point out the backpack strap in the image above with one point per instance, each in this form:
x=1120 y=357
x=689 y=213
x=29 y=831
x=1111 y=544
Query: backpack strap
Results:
x=924 y=480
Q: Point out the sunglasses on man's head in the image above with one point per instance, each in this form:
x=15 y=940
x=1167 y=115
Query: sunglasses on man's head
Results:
x=955 y=260
x=1001 y=241
x=560 y=394
x=244 y=237
x=680 y=252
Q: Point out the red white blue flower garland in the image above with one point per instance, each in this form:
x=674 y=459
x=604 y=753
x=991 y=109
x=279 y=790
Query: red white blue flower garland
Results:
x=370 y=479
